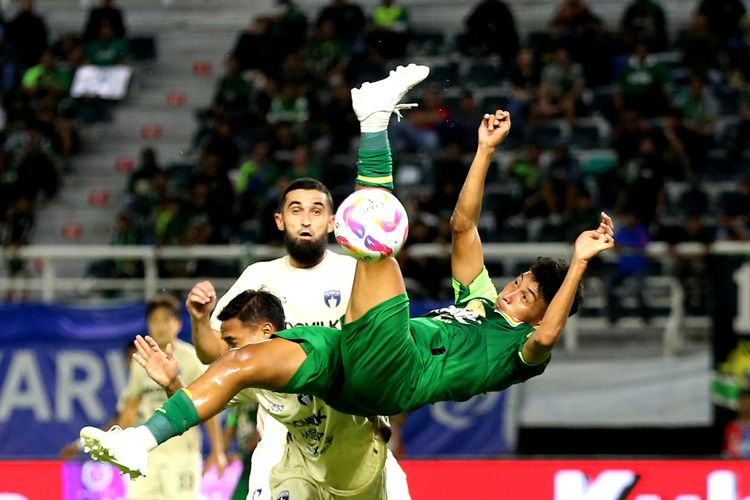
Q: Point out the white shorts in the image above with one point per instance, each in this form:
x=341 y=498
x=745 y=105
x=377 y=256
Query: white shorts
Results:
x=396 y=486
x=265 y=457
x=170 y=477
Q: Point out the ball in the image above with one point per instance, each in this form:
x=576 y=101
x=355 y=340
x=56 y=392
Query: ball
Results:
x=371 y=224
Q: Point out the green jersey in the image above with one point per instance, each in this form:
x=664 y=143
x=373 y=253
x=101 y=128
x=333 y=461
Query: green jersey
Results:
x=392 y=364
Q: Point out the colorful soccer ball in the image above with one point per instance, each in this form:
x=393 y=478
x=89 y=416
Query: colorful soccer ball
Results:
x=371 y=224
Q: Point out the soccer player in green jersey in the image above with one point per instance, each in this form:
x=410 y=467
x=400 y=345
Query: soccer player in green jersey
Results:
x=382 y=362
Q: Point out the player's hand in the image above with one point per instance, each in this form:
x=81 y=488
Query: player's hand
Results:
x=161 y=366
x=590 y=243
x=217 y=459
x=494 y=128
x=201 y=300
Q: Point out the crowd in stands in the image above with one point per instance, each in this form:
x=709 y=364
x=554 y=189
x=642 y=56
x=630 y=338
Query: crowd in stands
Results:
x=39 y=119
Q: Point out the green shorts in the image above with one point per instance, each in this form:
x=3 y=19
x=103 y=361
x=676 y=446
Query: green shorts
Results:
x=319 y=373
x=380 y=360
x=370 y=367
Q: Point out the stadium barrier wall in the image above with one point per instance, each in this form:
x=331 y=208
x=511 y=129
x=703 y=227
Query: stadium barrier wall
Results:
x=450 y=480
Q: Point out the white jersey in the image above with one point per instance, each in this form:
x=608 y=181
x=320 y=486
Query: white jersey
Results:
x=339 y=450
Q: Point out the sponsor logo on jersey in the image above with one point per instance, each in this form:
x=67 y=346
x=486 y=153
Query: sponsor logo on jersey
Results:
x=275 y=408
x=304 y=399
x=332 y=298
x=284 y=495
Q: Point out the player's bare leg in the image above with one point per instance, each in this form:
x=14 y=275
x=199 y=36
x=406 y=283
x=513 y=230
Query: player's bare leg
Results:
x=374 y=103
x=267 y=365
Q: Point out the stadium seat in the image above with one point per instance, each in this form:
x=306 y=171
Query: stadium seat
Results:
x=550 y=134
x=428 y=43
x=590 y=133
x=496 y=99
x=445 y=75
x=484 y=74
x=143 y=47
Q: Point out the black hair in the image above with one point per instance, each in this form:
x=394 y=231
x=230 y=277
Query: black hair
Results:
x=165 y=300
x=549 y=274
x=252 y=307
x=306 y=183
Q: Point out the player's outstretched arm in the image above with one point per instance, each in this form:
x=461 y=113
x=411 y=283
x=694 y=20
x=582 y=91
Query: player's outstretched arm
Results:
x=589 y=244
x=467 y=259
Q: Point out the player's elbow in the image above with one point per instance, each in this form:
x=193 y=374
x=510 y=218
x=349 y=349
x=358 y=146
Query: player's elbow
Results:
x=460 y=223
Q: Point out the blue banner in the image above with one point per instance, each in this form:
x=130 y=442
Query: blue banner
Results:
x=61 y=368
x=470 y=428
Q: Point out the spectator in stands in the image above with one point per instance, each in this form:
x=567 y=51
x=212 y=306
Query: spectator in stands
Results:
x=301 y=165
x=490 y=29
x=561 y=89
x=742 y=140
x=290 y=27
x=220 y=190
x=289 y=105
x=737 y=204
x=389 y=28
x=684 y=158
x=699 y=47
x=526 y=169
x=47 y=78
x=642 y=182
x=255 y=178
x=327 y=56
x=644 y=21
x=28 y=34
x=145 y=204
x=581 y=211
x=628 y=133
x=347 y=18
x=578 y=29
x=15 y=229
x=736 y=444
x=525 y=78
x=256 y=48
x=632 y=265
x=106 y=13
x=233 y=93
x=563 y=173
x=642 y=85
x=140 y=181
x=463 y=123
x=699 y=112
x=10 y=65
x=339 y=115
x=725 y=19
x=691 y=269
x=106 y=49
x=450 y=170
x=222 y=144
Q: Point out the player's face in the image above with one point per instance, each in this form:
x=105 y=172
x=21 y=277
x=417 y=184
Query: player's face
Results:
x=521 y=300
x=306 y=220
x=163 y=326
x=237 y=334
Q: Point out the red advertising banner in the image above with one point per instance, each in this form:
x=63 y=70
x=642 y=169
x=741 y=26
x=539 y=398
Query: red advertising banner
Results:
x=31 y=480
x=450 y=480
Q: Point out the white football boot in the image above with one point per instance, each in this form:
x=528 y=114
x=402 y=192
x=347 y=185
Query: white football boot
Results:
x=374 y=102
x=122 y=448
